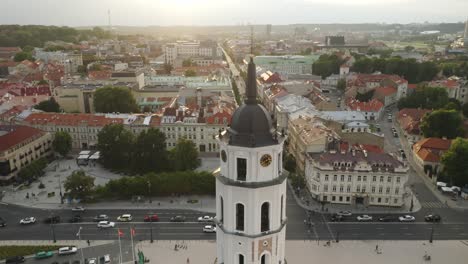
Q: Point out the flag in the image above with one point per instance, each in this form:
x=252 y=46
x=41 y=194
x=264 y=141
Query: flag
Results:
x=79 y=232
x=133 y=232
x=121 y=234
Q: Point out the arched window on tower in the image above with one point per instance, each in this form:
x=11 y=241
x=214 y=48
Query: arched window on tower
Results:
x=263 y=259
x=241 y=169
x=239 y=217
x=221 y=216
x=265 y=217
x=241 y=259
x=281 y=213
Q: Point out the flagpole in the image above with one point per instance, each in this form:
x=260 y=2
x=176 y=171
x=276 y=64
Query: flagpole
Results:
x=120 y=249
x=133 y=247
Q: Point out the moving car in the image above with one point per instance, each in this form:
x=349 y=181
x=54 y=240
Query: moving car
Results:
x=178 y=218
x=92 y=261
x=99 y=218
x=28 y=220
x=387 y=218
x=52 y=219
x=364 y=218
x=14 y=260
x=432 y=218
x=105 y=224
x=75 y=219
x=337 y=218
x=78 y=209
x=205 y=218
x=2 y=222
x=406 y=218
x=106 y=258
x=344 y=213
x=151 y=218
x=43 y=254
x=125 y=218
x=67 y=250
x=209 y=229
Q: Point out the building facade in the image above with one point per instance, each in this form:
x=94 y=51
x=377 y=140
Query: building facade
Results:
x=357 y=177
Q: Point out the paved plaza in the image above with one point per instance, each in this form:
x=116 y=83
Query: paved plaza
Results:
x=346 y=252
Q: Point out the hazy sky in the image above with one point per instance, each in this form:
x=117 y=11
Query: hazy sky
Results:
x=228 y=12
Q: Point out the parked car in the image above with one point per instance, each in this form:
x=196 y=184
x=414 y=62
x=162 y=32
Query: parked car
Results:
x=14 y=260
x=67 y=250
x=92 y=261
x=125 y=218
x=52 y=219
x=432 y=218
x=205 y=218
x=28 y=220
x=337 y=218
x=2 y=222
x=151 y=218
x=75 y=219
x=101 y=217
x=105 y=224
x=344 y=213
x=364 y=218
x=395 y=134
x=387 y=218
x=209 y=229
x=406 y=218
x=78 y=209
x=178 y=218
x=43 y=254
x=107 y=258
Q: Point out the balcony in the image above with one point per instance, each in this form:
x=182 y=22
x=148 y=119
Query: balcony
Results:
x=252 y=185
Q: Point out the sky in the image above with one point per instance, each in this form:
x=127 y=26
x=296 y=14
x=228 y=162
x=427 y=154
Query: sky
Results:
x=228 y=12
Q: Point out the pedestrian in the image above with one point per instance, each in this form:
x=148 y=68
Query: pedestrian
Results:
x=89 y=242
x=376 y=247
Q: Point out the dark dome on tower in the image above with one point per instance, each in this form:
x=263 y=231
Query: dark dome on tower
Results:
x=251 y=124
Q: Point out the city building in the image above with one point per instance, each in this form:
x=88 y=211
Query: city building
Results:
x=186 y=49
x=251 y=187
x=372 y=110
x=409 y=120
x=284 y=65
x=356 y=177
x=427 y=153
x=7 y=53
x=70 y=61
x=19 y=146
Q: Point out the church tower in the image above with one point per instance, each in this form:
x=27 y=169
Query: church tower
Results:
x=251 y=188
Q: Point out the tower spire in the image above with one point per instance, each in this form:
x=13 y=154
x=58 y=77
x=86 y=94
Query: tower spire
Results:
x=251 y=83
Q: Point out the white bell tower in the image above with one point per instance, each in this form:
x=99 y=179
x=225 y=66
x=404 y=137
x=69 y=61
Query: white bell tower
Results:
x=251 y=188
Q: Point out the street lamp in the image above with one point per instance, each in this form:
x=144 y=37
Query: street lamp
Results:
x=151 y=227
x=432 y=235
x=149 y=191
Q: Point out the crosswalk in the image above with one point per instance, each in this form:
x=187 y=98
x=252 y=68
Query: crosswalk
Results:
x=435 y=204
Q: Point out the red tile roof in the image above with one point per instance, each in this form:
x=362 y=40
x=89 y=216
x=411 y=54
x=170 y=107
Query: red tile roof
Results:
x=18 y=135
x=385 y=91
x=373 y=105
x=63 y=119
x=218 y=118
x=410 y=119
x=431 y=149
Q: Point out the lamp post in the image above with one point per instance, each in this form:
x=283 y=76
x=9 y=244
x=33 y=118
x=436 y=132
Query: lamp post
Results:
x=151 y=227
x=431 y=238
x=60 y=188
x=149 y=191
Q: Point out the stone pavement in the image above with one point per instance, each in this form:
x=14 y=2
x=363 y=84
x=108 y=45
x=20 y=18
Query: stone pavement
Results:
x=305 y=200
x=300 y=252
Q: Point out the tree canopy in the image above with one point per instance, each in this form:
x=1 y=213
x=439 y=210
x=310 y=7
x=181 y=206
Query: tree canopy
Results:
x=185 y=155
x=341 y=85
x=79 y=185
x=190 y=73
x=48 y=106
x=114 y=99
x=150 y=152
x=327 y=65
x=465 y=110
x=62 y=143
x=455 y=166
x=23 y=55
x=425 y=97
x=116 y=146
x=33 y=171
x=442 y=123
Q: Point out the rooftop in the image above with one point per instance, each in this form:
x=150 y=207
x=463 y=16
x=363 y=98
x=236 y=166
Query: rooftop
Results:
x=13 y=135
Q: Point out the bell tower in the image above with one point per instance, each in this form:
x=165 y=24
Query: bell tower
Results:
x=251 y=188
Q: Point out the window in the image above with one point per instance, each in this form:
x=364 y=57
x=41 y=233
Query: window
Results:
x=326 y=177
x=325 y=198
x=374 y=178
x=349 y=178
x=240 y=217
x=364 y=178
x=381 y=178
x=325 y=188
x=398 y=179
x=358 y=188
x=363 y=188
x=335 y=177
x=387 y=191
x=334 y=188
x=348 y=188
x=380 y=189
x=340 y=198
x=358 y=178
x=333 y=198
x=281 y=212
x=241 y=259
x=263 y=259
x=221 y=213
x=347 y=198
x=379 y=200
x=241 y=169
x=389 y=179
x=396 y=190
x=373 y=189
x=265 y=217
x=395 y=201
x=341 y=188
x=342 y=177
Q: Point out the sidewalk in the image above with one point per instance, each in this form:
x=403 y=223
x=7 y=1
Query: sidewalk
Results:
x=77 y=243
x=305 y=200
x=299 y=252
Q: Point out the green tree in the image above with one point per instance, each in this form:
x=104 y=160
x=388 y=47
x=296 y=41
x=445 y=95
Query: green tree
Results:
x=62 y=143
x=115 y=144
x=21 y=56
x=167 y=68
x=95 y=67
x=327 y=65
x=150 y=152
x=190 y=73
x=78 y=185
x=365 y=97
x=48 y=106
x=465 y=110
x=114 y=99
x=290 y=163
x=185 y=155
x=425 y=97
x=454 y=162
x=187 y=63
x=341 y=85
x=442 y=123
x=33 y=171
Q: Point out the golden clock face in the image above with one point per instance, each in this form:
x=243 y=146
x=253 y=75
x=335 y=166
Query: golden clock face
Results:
x=223 y=156
x=265 y=160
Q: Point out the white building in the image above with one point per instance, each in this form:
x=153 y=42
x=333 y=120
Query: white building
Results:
x=251 y=188
x=69 y=61
x=290 y=64
x=186 y=49
x=288 y=105
x=357 y=177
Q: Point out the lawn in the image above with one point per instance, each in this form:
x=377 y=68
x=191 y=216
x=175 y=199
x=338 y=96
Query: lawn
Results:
x=11 y=251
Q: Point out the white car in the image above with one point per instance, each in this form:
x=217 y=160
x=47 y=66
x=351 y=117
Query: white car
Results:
x=78 y=209
x=364 y=218
x=67 y=250
x=107 y=258
x=205 y=218
x=125 y=218
x=406 y=218
x=344 y=213
x=209 y=229
x=28 y=220
x=105 y=224
x=92 y=261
